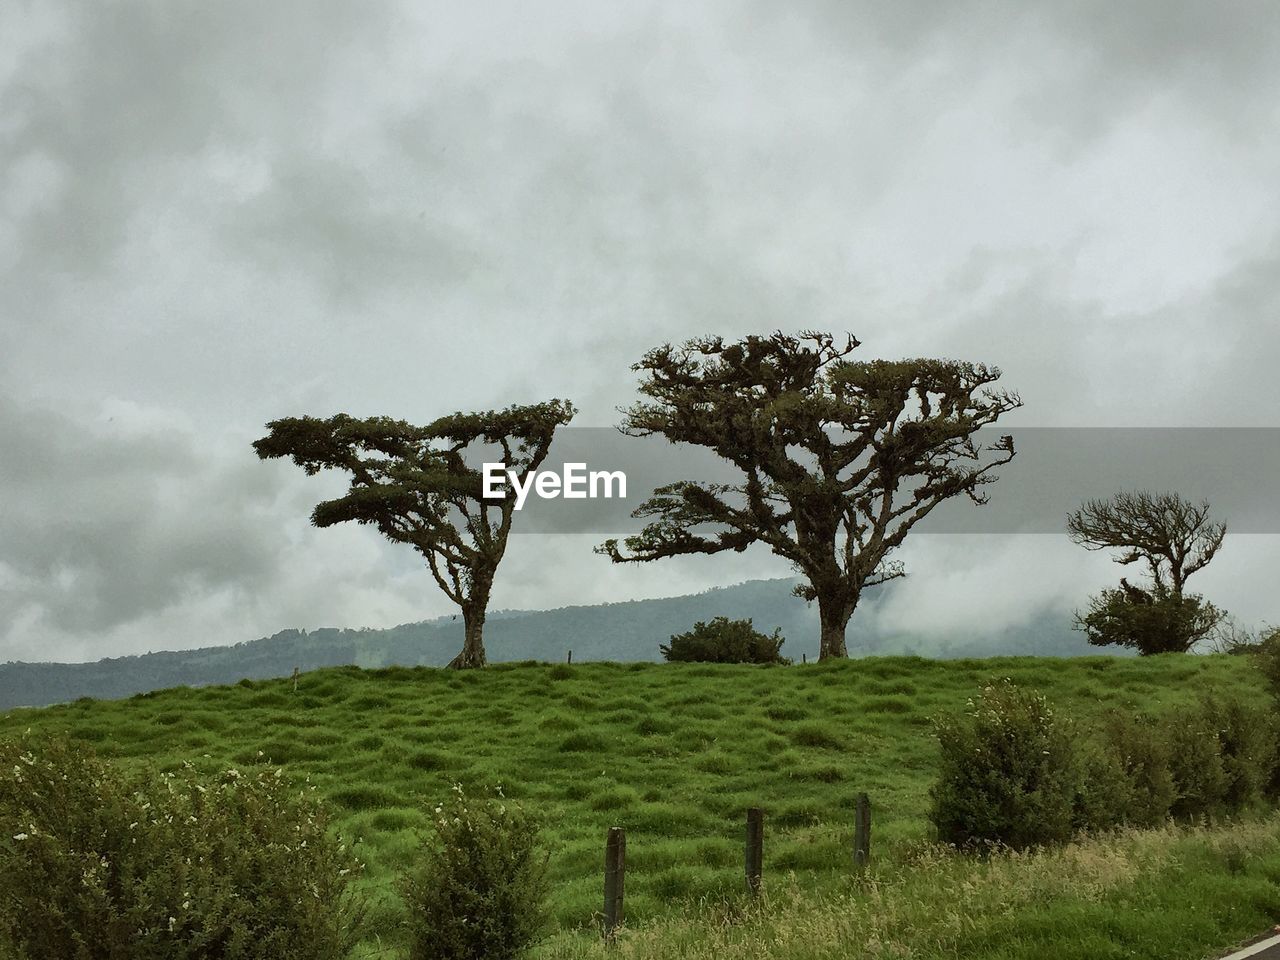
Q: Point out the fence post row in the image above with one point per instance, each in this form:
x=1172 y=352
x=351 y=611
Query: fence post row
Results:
x=615 y=858
x=755 y=848
x=862 y=832
x=615 y=868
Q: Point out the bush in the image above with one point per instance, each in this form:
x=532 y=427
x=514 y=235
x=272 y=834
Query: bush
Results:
x=1247 y=747
x=1267 y=658
x=1195 y=760
x=1008 y=773
x=1142 y=751
x=725 y=641
x=480 y=889
x=97 y=864
x=1223 y=757
x=1103 y=790
x=1158 y=620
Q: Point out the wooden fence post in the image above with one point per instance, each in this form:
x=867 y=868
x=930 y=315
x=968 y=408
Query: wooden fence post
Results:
x=615 y=868
x=755 y=848
x=862 y=832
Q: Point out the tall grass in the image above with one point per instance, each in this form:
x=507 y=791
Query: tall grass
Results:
x=1168 y=893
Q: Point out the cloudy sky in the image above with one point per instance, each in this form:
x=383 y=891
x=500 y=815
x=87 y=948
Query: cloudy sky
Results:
x=212 y=215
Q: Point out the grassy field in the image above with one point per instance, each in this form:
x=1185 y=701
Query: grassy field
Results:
x=1168 y=894
x=673 y=752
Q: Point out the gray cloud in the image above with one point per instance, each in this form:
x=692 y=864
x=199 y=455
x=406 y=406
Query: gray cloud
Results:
x=104 y=524
x=211 y=216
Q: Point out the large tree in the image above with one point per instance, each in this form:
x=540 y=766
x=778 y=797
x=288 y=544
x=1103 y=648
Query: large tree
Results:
x=416 y=486
x=1174 y=538
x=839 y=458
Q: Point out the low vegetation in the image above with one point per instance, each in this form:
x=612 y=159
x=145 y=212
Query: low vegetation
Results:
x=1172 y=893
x=725 y=641
x=100 y=863
x=675 y=753
x=478 y=887
x=1017 y=773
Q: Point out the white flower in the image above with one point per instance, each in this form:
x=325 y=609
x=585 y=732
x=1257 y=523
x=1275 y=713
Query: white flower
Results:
x=19 y=836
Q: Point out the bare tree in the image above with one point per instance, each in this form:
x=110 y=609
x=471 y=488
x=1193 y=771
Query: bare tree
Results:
x=1175 y=539
x=1173 y=535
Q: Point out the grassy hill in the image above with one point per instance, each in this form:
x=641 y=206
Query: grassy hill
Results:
x=623 y=632
x=673 y=752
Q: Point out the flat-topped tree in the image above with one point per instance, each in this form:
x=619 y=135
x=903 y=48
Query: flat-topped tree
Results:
x=415 y=486
x=840 y=458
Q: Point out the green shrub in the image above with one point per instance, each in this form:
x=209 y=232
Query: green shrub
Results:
x=479 y=890
x=1142 y=750
x=97 y=864
x=1266 y=656
x=1103 y=791
x=1158 y=620
x=725 y=641
x=1008 y=774
x=1223 y=757
x=1196 y=763
x=1246 y=744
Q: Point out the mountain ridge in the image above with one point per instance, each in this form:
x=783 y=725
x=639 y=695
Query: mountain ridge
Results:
x=625 y=630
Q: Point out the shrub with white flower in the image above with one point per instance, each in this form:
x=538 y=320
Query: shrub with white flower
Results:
x=478 y=890
x=177 y=866
x=1008 y=773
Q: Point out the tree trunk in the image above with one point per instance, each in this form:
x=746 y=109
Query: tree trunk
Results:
x=472 y=653
x=833 y=614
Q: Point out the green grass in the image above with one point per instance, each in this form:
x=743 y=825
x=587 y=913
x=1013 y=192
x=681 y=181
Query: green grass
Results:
x=673 y=752
x=1167 y=894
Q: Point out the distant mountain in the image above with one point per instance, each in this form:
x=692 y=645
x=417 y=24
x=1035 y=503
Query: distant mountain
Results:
x=624 y=631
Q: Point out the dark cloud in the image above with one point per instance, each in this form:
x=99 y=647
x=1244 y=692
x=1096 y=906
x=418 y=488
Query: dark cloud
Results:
x=214 y=215
x=104 y=523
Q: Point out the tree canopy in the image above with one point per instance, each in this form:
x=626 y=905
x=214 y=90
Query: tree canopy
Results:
x=839 y=458
x=414 y=484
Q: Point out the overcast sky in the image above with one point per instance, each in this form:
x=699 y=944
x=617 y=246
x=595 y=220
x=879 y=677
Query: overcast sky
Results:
x=213 y=215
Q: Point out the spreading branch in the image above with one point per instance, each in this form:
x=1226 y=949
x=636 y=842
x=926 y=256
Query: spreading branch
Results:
x=415 y=486
x=839 y=458
x=1173 y=536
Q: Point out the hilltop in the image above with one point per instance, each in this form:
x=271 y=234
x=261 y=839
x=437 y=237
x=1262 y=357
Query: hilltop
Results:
x=629 y=631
